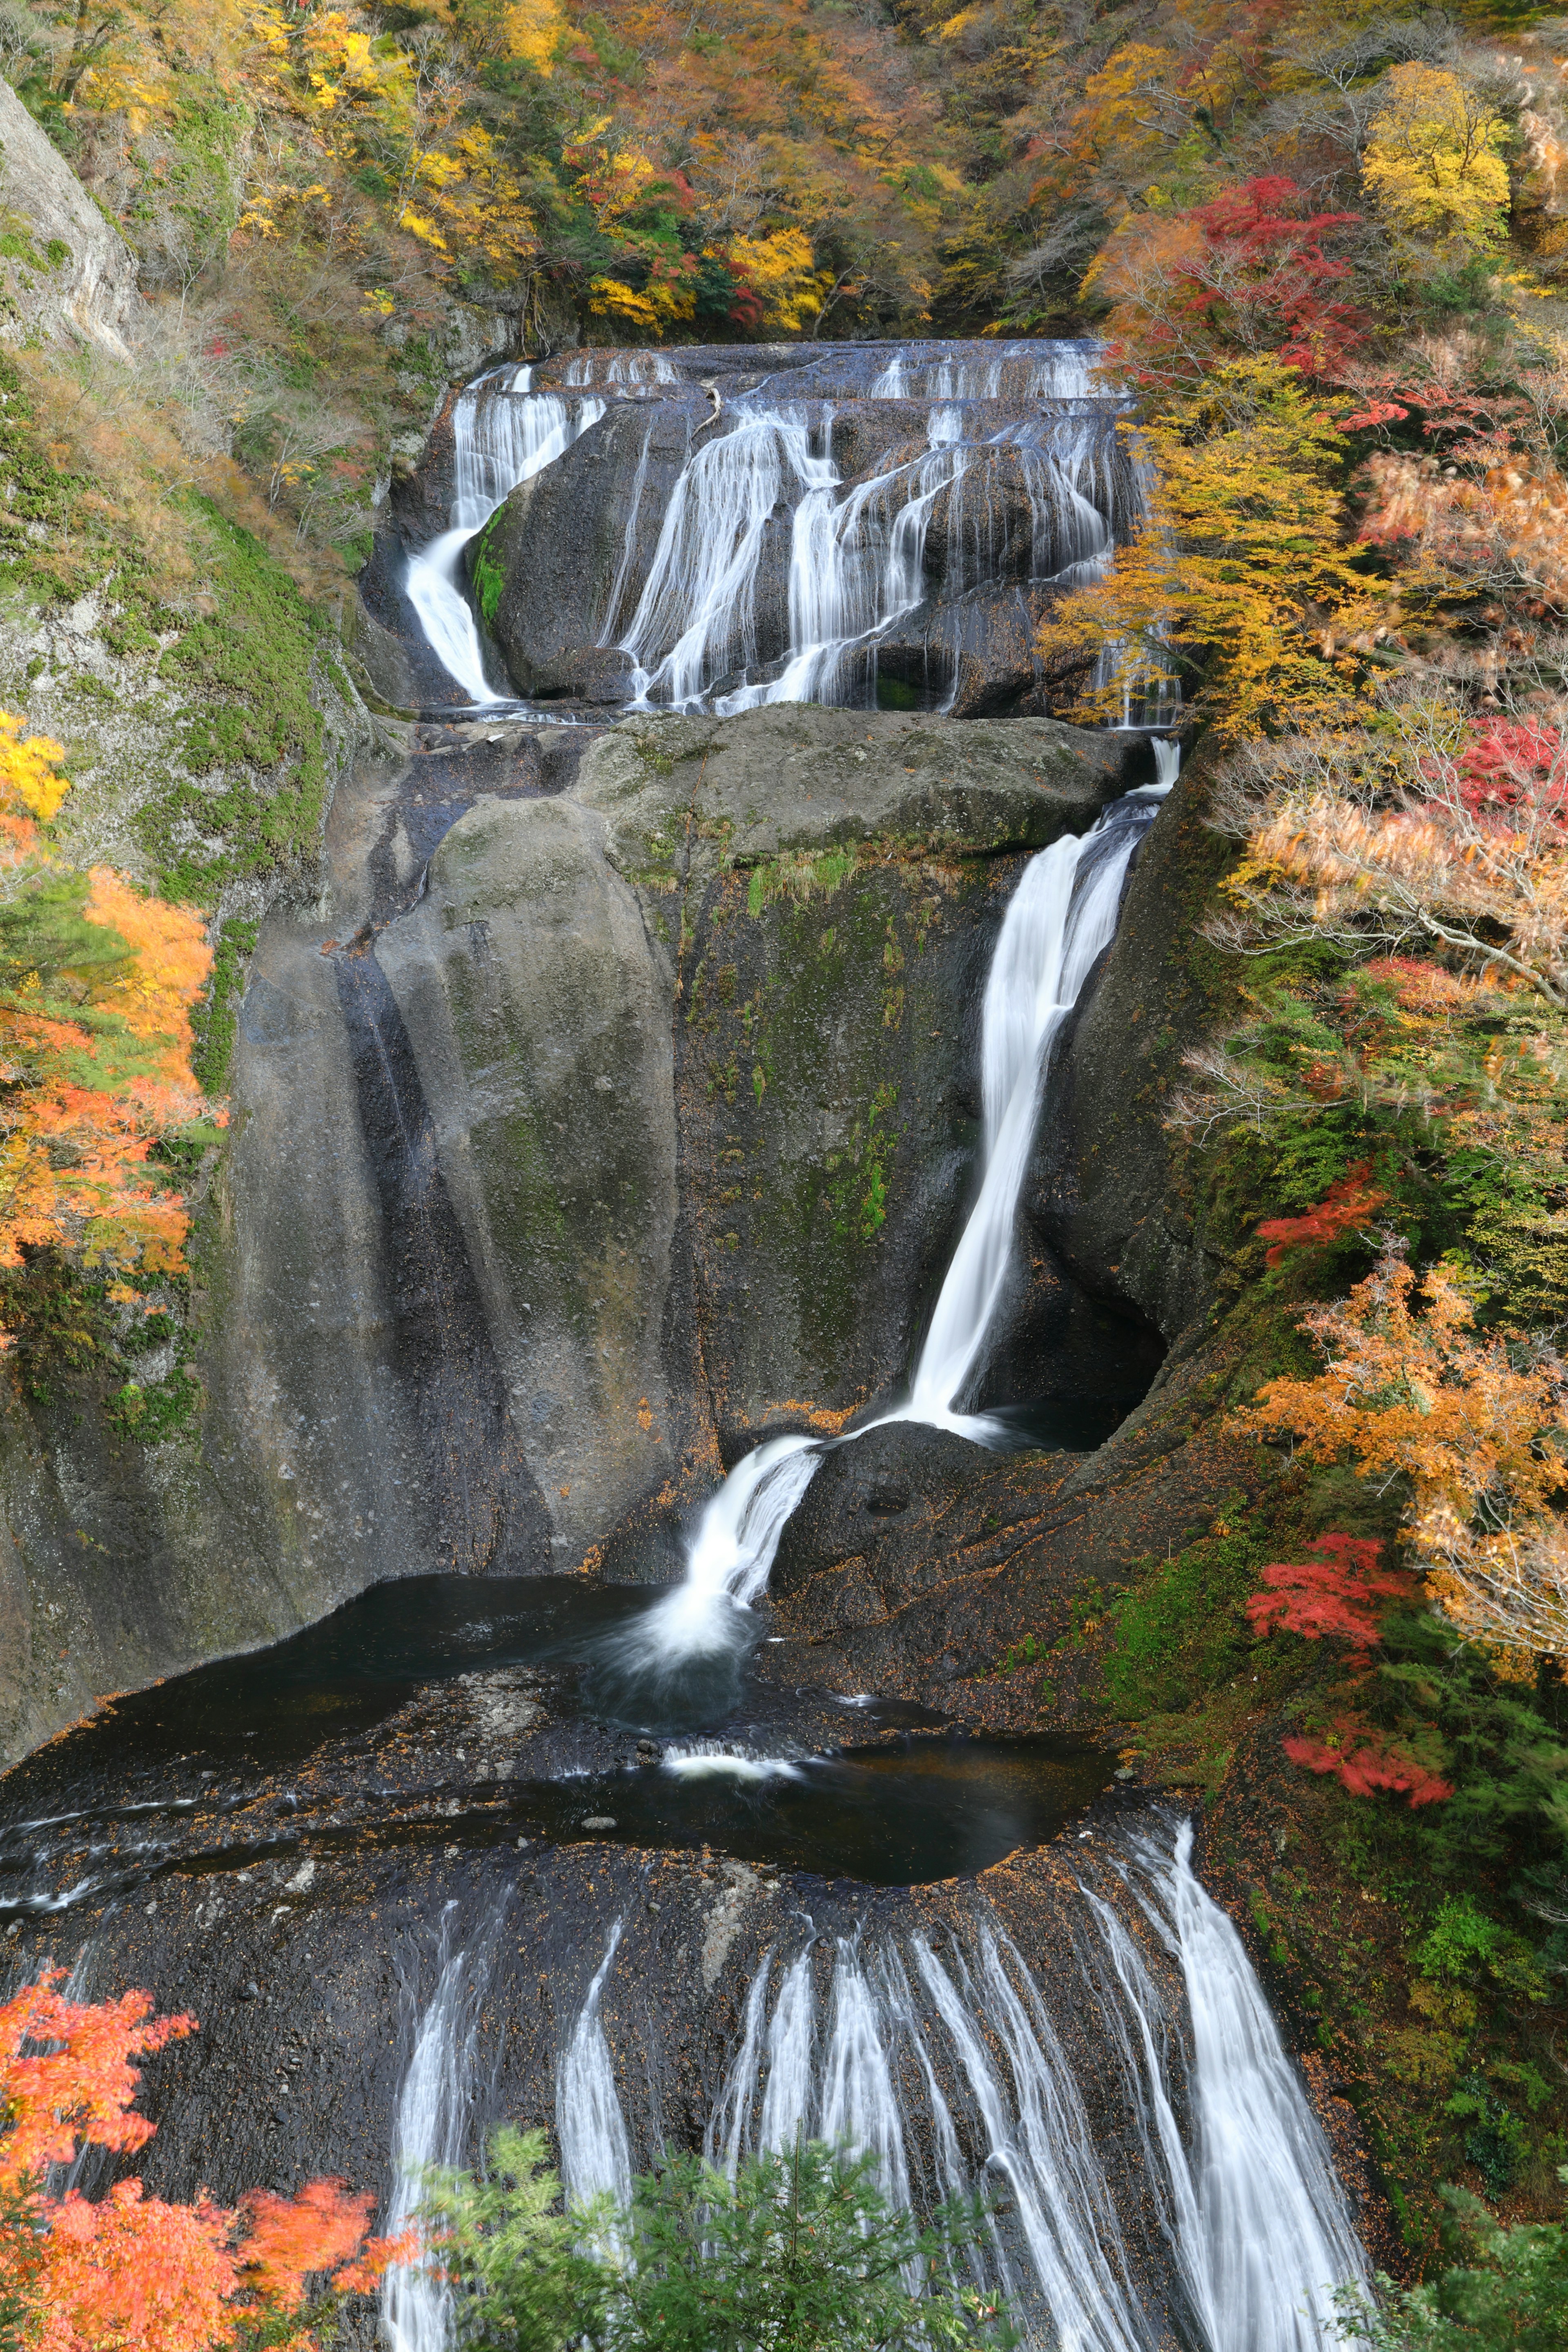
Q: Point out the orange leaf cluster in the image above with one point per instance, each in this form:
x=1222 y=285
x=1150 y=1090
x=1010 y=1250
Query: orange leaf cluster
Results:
x=1475 y=1423
x=132 y=2273
x=95 y=1044
x=66 y=2074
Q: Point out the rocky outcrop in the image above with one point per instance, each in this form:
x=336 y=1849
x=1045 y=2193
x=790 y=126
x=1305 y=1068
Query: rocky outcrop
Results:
x=1111 y=1189
x=64 y=271
x=614 y=1097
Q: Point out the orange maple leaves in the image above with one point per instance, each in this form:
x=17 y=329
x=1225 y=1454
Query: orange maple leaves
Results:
x=97 y=982
x=134 y=2270
x=1477 y=1426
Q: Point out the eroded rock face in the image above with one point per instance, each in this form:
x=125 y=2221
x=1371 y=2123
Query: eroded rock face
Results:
x=1103 y=1192
x=77 y=281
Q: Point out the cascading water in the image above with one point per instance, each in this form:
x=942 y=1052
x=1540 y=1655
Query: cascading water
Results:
x=773 y=575
x=595 y=2155
x=431 y=2129
x=1061 y=916
x=947 y=2067
x=502 y=432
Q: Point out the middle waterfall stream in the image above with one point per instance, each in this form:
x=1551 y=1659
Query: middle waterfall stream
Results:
x=1061 y=916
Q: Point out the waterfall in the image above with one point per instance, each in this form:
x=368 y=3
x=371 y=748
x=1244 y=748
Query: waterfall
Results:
x=431 y=2129
x=502 y=432
x=1255 y=2214
x=596 y=2154
x=1063 y=913
x=1061 y=916
x=948 y=2069
x=772 y=579
x=857 y=561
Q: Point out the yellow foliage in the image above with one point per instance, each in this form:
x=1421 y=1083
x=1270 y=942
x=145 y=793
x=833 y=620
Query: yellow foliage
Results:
x=780 y=271
x=1432 y=164
x=531 y=32
x=29 y=769
x=1238 y=560
x=660 y=305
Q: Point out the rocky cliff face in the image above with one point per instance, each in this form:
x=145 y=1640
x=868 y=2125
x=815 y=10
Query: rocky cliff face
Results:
x=66 y=273
x=614 y=1097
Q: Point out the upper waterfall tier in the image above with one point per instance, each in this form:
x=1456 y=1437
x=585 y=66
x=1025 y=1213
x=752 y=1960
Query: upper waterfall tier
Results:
x=710 y=529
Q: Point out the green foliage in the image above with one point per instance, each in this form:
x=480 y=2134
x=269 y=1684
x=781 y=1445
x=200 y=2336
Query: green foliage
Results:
x=216 y=1020
x=801 y=2253
x=249 y=670
x=1510 y=2296
x=1181 y=1628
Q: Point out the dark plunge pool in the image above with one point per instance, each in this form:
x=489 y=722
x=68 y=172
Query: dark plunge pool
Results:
x=466 y=1712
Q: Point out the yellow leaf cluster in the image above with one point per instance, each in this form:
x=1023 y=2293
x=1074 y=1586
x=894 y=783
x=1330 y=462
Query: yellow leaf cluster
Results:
x=531 y=31
x=779 y=269
x=30 y=771
x=1432 y=164
x=1238 y=561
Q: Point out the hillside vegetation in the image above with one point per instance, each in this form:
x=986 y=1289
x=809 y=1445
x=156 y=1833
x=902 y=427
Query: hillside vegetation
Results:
x=1328 y=250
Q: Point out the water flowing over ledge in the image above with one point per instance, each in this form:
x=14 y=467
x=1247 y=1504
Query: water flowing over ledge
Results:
x=1060 y=918
x=839 y=525
x=1208 y=2205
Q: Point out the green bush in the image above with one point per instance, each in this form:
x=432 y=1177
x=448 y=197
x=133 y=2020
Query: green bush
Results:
x=799 y=2253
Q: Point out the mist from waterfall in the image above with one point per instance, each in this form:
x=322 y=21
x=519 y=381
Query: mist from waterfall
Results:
x=502 y=432
x=943 y=2062
x=1061 y=916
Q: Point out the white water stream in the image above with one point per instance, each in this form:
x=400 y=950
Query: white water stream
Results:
x=431 y=2129
x=945 y=2065
x=502 y=432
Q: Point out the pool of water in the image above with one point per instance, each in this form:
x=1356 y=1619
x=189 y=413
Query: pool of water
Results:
x=281 y=1751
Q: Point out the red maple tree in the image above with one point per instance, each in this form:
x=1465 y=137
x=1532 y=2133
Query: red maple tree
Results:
x=1363 y=1759
x=1345 y=1208
x=1339 y=1594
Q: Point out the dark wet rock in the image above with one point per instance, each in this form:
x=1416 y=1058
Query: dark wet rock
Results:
x=873 y=1508
x=561 y=540
x=1108 y=1192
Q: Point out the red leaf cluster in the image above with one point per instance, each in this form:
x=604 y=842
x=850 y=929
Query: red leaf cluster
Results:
x=1345 y=1208
x=1363 y=1759
x=1249 y=272
x=1337 y=1595
x=1510 y=764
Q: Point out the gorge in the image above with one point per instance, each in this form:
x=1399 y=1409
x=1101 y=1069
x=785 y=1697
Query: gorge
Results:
x=624 y=1086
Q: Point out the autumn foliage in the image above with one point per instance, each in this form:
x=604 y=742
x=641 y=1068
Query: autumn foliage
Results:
x=1339 y=1594
x=1346 y=1208
x=96 y=981
x=1238 y=576
x=1364 y=1760
x=1440 y=832
x=132 y=2273
x=1473 y=1422
x=1250 y=271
